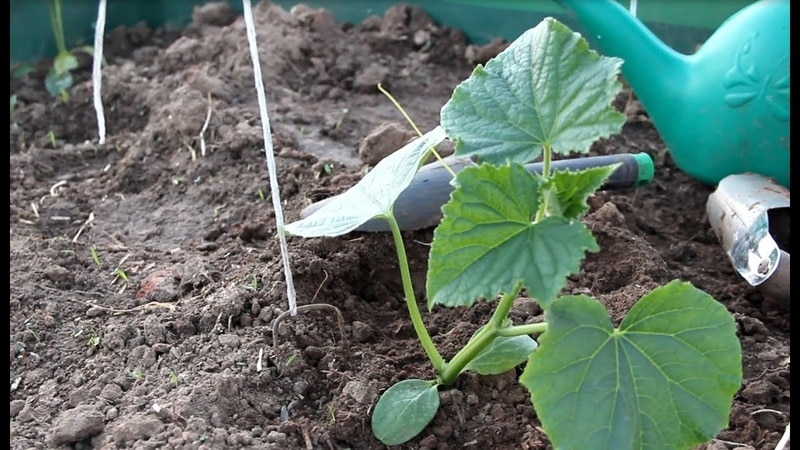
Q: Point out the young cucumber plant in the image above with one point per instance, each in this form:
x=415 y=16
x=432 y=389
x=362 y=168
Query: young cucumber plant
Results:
x=59 y=77
x=665 y=378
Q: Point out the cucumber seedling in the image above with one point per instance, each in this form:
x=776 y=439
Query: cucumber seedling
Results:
x=664 y=378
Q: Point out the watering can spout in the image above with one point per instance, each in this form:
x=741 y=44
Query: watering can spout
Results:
x=652 y=69
x=722 y=110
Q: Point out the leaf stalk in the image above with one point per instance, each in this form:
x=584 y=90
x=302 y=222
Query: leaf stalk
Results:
x=482 y=338
x=411 y=300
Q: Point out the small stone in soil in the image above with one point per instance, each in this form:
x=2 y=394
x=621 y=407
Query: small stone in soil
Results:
x=111 y=392
x=367 y=79
x=300 y=387
x=137 y=428
x=760 y=392
x=383 y=141
x=276 y=437
x=15 y=407
x=360 y=391
x=77 y=424
x=361 y=331
x=56 y=273
x=229 y=340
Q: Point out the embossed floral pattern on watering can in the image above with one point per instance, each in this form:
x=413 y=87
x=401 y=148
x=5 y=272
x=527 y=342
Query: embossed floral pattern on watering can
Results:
x=721 y=111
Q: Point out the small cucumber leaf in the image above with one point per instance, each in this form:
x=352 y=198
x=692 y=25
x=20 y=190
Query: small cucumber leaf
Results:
x=56 y=83
x=86 y=49
x=546 y=89
x=487 y=240
x=64 y=62
x=664 y=379
x=502 y=355
x=404 y=410
x=22 y=70
x=371 y=197
x=573 y=188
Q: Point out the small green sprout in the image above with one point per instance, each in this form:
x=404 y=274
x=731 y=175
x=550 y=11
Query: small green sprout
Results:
x=173 y=377
x=33 y=333
x=332 y=412
x=121 y=273
x=93 y=340
x=290 y=359
x=95 y=257
x=51 y=136
x=327 y=169
x=137 y=374
x=253 y=284
x=340 y=121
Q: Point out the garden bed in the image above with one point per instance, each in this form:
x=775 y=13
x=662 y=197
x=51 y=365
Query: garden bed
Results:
x=145 y=273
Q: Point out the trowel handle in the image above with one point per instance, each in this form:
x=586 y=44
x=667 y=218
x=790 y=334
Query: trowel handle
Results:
x=777 y=285
x=420 y=204
x=635 y=169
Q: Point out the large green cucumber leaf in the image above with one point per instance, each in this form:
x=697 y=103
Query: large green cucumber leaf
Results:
x=546 y=89
x=664 y=379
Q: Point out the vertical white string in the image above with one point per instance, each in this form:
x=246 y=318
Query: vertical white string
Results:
x=781 y=445
x=97 y=72
x=633 y=7
x=269 y=151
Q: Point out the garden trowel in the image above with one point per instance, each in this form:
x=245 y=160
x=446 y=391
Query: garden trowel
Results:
x=750 y=215
x=420 y=204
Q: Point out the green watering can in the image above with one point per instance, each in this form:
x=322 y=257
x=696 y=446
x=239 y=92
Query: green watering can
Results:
x=723 y=110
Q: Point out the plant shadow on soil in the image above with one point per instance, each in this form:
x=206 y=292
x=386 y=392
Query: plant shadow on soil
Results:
x=181 y=355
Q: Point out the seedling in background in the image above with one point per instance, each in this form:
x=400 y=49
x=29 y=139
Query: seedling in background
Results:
x=22 y=70
x=665 y=378
x=59 y=77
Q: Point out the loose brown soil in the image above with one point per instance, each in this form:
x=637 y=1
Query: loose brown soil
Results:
x=180 y=355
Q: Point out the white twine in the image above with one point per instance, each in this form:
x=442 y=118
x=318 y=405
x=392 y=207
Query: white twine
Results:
x=269 y=151
x=97 y=75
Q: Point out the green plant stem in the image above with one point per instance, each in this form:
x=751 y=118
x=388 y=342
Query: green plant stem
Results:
x=520 y=330
x=411 y=299
x=482 y=338
x=415 y=127
x=54 y=6
x=547 y=155
x=399 y=108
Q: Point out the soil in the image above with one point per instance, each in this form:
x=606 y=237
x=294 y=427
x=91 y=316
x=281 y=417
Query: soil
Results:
x=145 y=274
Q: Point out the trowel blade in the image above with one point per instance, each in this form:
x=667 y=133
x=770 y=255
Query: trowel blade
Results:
x=738 y=213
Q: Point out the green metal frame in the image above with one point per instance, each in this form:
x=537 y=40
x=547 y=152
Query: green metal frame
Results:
x=682 y=24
